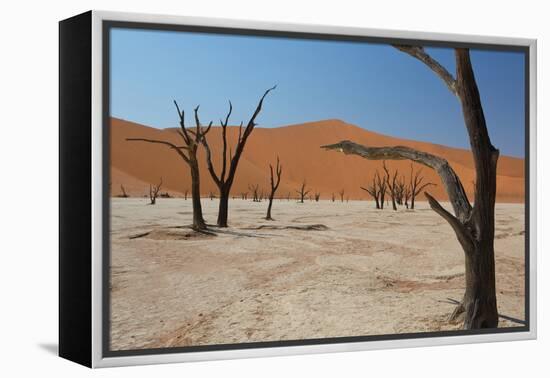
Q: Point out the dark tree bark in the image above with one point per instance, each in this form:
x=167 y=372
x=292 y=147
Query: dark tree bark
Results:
x=225 y=179
x=474 y=226
x=302 y=192
x=192 y=140
x=391 y=184
x=317 y=197
x=185 y=194
x=274 y=185
x=154 y=191
x=416 y=185
x=407 y=195
x=381 y=184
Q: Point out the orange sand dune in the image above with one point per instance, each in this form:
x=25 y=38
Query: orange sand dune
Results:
x=136 y=164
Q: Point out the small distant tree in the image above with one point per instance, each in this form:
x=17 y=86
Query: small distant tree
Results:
x=341 y=193
x=302 y=192
x=374 y=190
x=123 y=192
x=382 y=188
x=416 y=184
x=317 y=196
x=212 y=196
x=391 y=183
x=255 y=195
x=244 y=195
x=185 y=194
x=275 y=180
x=154 y=191
x=400 y=190
x=333 y=197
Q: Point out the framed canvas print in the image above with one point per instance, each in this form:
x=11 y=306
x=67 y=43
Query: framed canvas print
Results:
x=234 y=189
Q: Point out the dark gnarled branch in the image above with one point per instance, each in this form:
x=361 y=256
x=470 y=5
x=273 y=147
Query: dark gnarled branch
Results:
x=419 y=53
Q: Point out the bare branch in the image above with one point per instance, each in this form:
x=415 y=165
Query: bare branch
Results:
x=460 y=230
x=181 y=115
x=178 y=149
x=419 y=53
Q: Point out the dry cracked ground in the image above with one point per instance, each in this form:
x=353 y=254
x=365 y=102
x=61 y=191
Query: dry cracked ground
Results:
x=321 y=269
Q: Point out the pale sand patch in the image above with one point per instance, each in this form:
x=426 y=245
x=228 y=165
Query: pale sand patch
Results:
x=371 y=272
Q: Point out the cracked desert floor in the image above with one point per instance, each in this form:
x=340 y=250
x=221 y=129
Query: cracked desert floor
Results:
x=321 y=269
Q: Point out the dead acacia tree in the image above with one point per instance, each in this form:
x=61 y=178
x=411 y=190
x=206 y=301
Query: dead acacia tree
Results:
x=391 y=184
x=302 y=192
x=341 y=193
x=123 y=190
x=317 y=196
x=211 y=196
x=230 y=162
x=254 y=190
x=400 y=190
x=382 y=189
x=192 y=140
x=274 y=185
x=374 y=190
x=185 y=194
x=333 y=197
x=244 y=195
x=416 y=184
x=154 y=191
x=474 y=226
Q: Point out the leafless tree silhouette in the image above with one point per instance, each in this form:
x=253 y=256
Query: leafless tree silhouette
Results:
x=302 y=192
x=375 y=190
x=274 y=181
x=254 y=190
x=391 y=183
x=154 y=191
x=416 y=184
x=192 y=140
x=123 y=192
x=230 y=162
x=341 y=193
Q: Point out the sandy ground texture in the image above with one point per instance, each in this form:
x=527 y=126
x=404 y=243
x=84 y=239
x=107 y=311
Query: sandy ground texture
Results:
x=319 y=270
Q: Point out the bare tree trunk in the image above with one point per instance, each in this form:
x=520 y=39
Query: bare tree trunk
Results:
x=274 y=185
x=223 y=209
x=198 y=220
x=474 y=227
x=391 y=184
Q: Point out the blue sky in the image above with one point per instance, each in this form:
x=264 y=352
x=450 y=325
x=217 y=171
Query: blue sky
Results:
x=373 y=86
